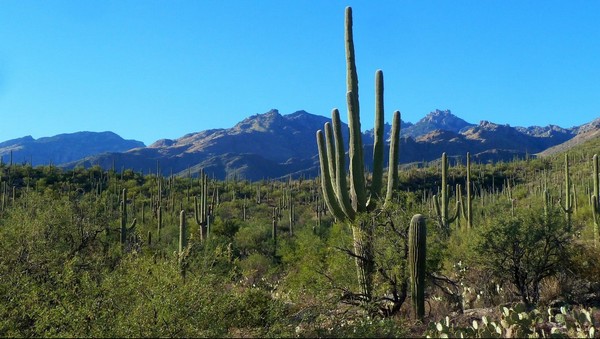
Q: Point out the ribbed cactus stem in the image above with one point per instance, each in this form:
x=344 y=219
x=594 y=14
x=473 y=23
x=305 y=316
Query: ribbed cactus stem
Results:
x=444 y=197
x=327 y=187
x=378 y=144
x=274 y=230
x=357 y=166
x=182 y=232
x=595 y=197
x=459 y=201
x=442 y=201
x=596 y=221
x=469 y=199
x=358 y=192
x=568 y=206
x=330 y=143
x=417 y=252
x=201 y=211
x=341 y=183
x=351 y=74
x=392 y=183
x=596 y=179
x=124 y=216
x=159 y=218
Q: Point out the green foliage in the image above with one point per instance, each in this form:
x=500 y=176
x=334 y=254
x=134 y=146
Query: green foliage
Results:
x=525 y=250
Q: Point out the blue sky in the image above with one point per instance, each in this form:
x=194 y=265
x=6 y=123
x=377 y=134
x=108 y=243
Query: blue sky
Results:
x=160 y=69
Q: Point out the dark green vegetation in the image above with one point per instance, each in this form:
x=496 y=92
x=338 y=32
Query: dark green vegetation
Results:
x=96 y=253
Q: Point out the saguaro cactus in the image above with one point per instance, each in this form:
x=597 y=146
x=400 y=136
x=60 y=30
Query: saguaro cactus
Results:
x=466 y=205
x=595 y=205
x=274 y=230
x=159 y=218
x=442 y=210
x=417 y=251
x=346 y=203
x=568 y=206
x=202 y=210
x=124 y=230
x=124 y=216
x=182 y=232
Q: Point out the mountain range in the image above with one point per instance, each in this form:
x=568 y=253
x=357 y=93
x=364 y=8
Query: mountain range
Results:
x=63 y=148
x=272 y=145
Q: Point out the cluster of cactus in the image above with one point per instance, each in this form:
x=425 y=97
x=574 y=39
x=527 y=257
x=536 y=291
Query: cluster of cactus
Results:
x=464 y=206
x=345 y=204
x=578 y=323
x=517 y=322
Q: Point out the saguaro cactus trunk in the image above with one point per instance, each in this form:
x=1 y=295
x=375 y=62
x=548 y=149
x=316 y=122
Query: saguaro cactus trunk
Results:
x=417 y=251
x=568 y=204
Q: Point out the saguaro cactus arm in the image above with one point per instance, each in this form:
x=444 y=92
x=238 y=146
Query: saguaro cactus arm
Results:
x=392 y=183
x=376 y=183
x=341 y=184
x=326 y=185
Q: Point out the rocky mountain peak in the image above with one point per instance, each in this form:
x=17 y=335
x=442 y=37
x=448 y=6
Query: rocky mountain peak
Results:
x=436 y=120
x=260 y=122
x=439 y=116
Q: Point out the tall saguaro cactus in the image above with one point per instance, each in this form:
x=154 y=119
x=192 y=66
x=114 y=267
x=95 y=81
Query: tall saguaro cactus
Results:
x=417 y=250
x=182 y=232
x=124 y=216
x=202 y=211
x=442 y=210
x=343 y=202
x=467 y=205
x=595 y=204
x=124 y=229
x=568 y=207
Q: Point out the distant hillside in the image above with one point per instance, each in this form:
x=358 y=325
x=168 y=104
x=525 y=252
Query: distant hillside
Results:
x=585 y=133
x=272 y=145
x=63 y=148
x=265 y=145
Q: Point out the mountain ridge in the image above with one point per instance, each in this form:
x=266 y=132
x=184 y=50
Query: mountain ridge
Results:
x=64 y=147
x=272 y=145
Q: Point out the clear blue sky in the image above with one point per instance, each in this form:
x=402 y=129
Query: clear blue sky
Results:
x=160 y=69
